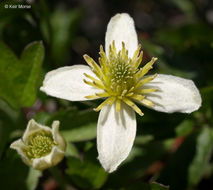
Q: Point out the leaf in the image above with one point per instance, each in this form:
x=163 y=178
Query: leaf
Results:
x=207 y=105
x=202 y=156
x=85 y=132
x=19 y=78
x=64 y=24
x=86 y=173
x=33 y=178
x=64 y=27
x=71 y=150
x=186 y=37
x=76 y=126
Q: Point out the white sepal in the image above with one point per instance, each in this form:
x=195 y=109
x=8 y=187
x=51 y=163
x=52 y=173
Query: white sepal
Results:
x=115 y=135
x=32 y=127
x=57 y=136
x=174 y=94
x=67 y=83
x=48 y=161
x=120 y=29
x=18 y=145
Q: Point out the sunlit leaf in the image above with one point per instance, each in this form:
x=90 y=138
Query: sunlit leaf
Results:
x=19 y=77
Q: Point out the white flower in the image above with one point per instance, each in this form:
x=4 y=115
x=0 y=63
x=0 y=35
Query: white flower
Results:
x=120 y=82
x=40 y=147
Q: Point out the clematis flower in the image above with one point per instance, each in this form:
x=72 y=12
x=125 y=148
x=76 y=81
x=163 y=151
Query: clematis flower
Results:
x=120 y=81
x=40 y=147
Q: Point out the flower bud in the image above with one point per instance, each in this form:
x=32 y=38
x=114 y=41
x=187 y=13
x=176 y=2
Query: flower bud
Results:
x=40 y=146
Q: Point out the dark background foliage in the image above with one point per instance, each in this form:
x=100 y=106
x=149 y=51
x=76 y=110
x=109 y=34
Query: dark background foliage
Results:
x=171 y=151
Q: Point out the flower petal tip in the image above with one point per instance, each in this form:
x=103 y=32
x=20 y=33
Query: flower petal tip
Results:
x=108 y=167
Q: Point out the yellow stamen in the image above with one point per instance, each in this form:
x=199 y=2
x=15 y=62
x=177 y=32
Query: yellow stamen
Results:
x=146 y=68
x=137 y=97
x=108 y=101
x=136 y=54
x=145 y=91
x=102 y=95
x=118 y=105
x=133 y=106
x=94 y=84
x=96 y=69
x=99 y=82
x=139 y=60
x=91 y=97
x=145 y=80
x=147 y=102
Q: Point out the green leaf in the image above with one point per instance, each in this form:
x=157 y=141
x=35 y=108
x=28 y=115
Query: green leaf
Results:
x=33 y=178
x=85 y=132
x=64 y=24
x=86 y=173
x=207 y=104
x=19 y=77
x=74 y=129
x=71 y=150
x=64 y=27
x=186 y=37
x=202 y=156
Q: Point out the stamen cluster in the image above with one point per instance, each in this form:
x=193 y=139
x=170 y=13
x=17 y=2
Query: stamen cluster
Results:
x=39 y=144
x=120 y=78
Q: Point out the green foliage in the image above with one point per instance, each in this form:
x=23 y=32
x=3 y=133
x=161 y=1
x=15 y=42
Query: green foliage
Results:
x=86 y=173
x=19 y=77
x=202 y=155
x=64 y=25
x=74 y=129
x=190 y=36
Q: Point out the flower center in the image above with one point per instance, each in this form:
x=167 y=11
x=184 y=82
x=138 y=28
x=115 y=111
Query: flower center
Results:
x=39 y=144
x=120 y=78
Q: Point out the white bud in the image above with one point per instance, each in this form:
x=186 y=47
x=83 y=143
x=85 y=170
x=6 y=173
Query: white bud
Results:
x=40 y=147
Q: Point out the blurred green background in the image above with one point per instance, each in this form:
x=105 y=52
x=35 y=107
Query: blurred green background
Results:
x=171 y=151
